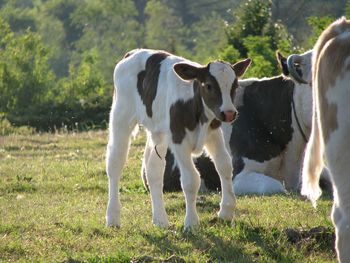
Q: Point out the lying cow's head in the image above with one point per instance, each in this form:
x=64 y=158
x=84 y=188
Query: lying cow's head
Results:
x=217 y=84
x=297 y=66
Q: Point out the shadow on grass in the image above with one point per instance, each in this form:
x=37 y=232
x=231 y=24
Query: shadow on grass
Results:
x=204 y=204
x=118 y=258
x=278 y=245
x=244 y=243
x=181 y=244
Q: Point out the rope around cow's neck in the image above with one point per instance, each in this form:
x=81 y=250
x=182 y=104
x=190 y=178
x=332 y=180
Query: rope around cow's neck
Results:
x=297 y=119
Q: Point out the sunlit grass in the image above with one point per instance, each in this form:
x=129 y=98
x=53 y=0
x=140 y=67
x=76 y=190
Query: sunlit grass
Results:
x=53 y=194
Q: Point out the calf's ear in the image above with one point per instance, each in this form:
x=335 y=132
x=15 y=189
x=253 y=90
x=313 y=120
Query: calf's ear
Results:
x=241 y=66
x=282 y=62
x=187 y=71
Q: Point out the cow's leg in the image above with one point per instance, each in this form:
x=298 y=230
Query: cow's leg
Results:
x=120 y=129
x=291 y=163
x=341 y=221
x=190 y=183
x=215 y=146
x=337 y=156
x=145 y=159
x=155 y=166
x=338 y=160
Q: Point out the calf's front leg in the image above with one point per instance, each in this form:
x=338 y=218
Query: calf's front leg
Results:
x=215 y=147
x=155 y=164
x=190 y=183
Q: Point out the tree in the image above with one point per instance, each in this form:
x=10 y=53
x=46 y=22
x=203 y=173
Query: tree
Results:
x=25 y=75
x=54 y=23
x=255 y=35
x=318 y=24
x=229 y=54
x=108 y=26
x=192 y=11
x=208 y=36
x=84 y=81
x=163 y=29
x=263 y=63
x=17 y=13
x=347 y=9
x=251 y=19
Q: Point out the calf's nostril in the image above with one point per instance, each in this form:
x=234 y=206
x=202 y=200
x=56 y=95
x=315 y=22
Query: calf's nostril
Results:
x=230 y=116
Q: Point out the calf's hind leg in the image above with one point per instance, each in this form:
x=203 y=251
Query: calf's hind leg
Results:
x=120 y=129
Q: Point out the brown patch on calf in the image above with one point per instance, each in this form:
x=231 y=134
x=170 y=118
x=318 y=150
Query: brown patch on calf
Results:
x=211 y=93
x=186 y=115
x=234 y=89
x=206 y=85
x=215 y=124
x=147 y=80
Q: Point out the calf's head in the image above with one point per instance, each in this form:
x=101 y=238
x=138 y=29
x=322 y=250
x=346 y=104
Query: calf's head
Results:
x=216 y=83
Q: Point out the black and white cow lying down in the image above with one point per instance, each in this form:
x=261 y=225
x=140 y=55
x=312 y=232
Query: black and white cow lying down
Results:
x=268 y=139
x=180 y=103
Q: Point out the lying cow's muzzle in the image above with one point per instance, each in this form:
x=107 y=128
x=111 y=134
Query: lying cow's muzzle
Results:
x=229 y=116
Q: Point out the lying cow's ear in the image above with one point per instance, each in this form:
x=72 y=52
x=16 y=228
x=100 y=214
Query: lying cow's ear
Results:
x=241 y=66
x=187 y=71
x=282 y=62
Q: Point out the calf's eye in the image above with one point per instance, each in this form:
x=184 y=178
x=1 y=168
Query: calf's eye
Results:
x=206 y=86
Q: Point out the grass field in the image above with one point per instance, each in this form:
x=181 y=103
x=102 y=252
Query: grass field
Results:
x=53 y=194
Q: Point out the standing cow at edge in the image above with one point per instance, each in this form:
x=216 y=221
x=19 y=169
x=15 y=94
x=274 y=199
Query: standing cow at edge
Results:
x=180 y=103
x=331 y=128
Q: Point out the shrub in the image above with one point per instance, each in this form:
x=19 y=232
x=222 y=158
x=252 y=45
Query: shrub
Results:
x=6 y=128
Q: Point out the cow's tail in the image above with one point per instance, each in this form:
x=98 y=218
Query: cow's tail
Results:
x=313 y=162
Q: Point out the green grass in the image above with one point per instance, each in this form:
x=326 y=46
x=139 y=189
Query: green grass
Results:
x=53 y=195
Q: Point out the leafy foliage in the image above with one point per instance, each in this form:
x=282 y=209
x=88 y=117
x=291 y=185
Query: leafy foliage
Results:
x=318 y=25
x=57 y=57
x=251 y=18
x=163 y=29
x=25 y=76
x=254 y=34
x=264 y=58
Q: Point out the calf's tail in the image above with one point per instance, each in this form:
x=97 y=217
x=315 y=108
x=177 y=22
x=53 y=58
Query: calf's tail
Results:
x=313 y=162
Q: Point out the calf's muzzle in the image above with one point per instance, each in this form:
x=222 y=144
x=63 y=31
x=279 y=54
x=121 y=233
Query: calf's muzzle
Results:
x=229 y=116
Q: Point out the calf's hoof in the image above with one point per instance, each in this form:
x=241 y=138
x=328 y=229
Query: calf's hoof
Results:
x=191 y=223
x=112 y=222
x=192 y=229
x=163 y=223
x=113 y=218
x=226 y=213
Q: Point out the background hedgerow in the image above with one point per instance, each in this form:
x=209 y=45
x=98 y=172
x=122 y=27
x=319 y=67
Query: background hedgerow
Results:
x=57 y=57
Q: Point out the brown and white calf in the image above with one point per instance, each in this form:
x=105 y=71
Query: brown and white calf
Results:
x=179 y=103
x=329 y=141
